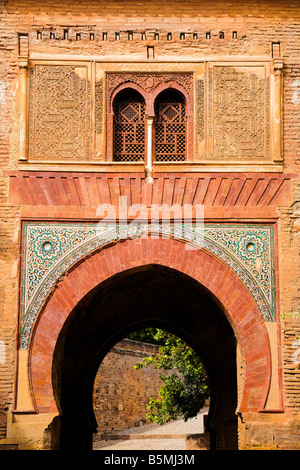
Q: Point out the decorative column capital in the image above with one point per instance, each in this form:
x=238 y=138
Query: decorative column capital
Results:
x=149 y=120
x=23 y=62
x=277 y=66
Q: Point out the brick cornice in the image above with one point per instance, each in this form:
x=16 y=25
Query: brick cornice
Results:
x=86 y=190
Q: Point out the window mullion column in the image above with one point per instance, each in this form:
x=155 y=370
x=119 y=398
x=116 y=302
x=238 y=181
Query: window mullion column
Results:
x=149 y=150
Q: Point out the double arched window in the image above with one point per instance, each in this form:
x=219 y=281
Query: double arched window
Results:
x=169 y=127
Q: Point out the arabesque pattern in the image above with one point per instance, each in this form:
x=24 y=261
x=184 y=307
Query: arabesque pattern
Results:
x=239 y=113
x=50 y=249
x=59 y=117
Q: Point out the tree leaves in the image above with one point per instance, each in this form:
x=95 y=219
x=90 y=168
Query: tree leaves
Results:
x=185 y=383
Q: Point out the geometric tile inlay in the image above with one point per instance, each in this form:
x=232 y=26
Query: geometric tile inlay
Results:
x=50 y=249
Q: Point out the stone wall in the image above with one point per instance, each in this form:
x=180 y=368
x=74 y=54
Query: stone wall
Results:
x=121 y=393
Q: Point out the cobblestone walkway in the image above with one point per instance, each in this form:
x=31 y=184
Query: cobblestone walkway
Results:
x=170 y=436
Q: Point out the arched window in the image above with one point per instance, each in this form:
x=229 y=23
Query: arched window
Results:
x=129 y=127
x=170 y=127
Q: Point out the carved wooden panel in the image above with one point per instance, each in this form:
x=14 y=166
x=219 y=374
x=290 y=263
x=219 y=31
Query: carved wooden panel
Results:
x=238 y=113
x=60 y=113
x=129 y=128
x=170 y=128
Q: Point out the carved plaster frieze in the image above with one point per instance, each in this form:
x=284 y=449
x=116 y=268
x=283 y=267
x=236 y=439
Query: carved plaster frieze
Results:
x=51 y=249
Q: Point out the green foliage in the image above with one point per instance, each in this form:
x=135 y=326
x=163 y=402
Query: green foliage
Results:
x=185 y=386
x=147 y=335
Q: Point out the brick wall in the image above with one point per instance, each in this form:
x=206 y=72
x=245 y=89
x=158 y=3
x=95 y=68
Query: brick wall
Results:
x=281 y=433
x=121 y=393
x=8 y=306
x=291 y=364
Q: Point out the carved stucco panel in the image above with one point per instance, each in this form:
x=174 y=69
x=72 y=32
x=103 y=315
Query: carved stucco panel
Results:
x=239 y=113
x=229 y=115
x=60 y=112
x=147 y=81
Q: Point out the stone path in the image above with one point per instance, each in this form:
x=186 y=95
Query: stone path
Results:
x=170 y=436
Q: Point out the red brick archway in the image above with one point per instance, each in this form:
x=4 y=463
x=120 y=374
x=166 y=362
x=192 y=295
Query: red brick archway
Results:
x=236 y=300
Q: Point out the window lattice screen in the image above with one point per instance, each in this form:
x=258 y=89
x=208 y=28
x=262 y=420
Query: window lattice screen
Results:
x=170 y=128
x=129 y=128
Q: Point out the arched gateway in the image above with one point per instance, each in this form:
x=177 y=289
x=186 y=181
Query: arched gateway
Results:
x=191 y=292
x=144 y=102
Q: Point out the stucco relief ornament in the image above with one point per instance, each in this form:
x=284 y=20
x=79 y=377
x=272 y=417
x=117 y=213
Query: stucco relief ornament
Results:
x=251 y=246
x=50 y=249
x=47 y=246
